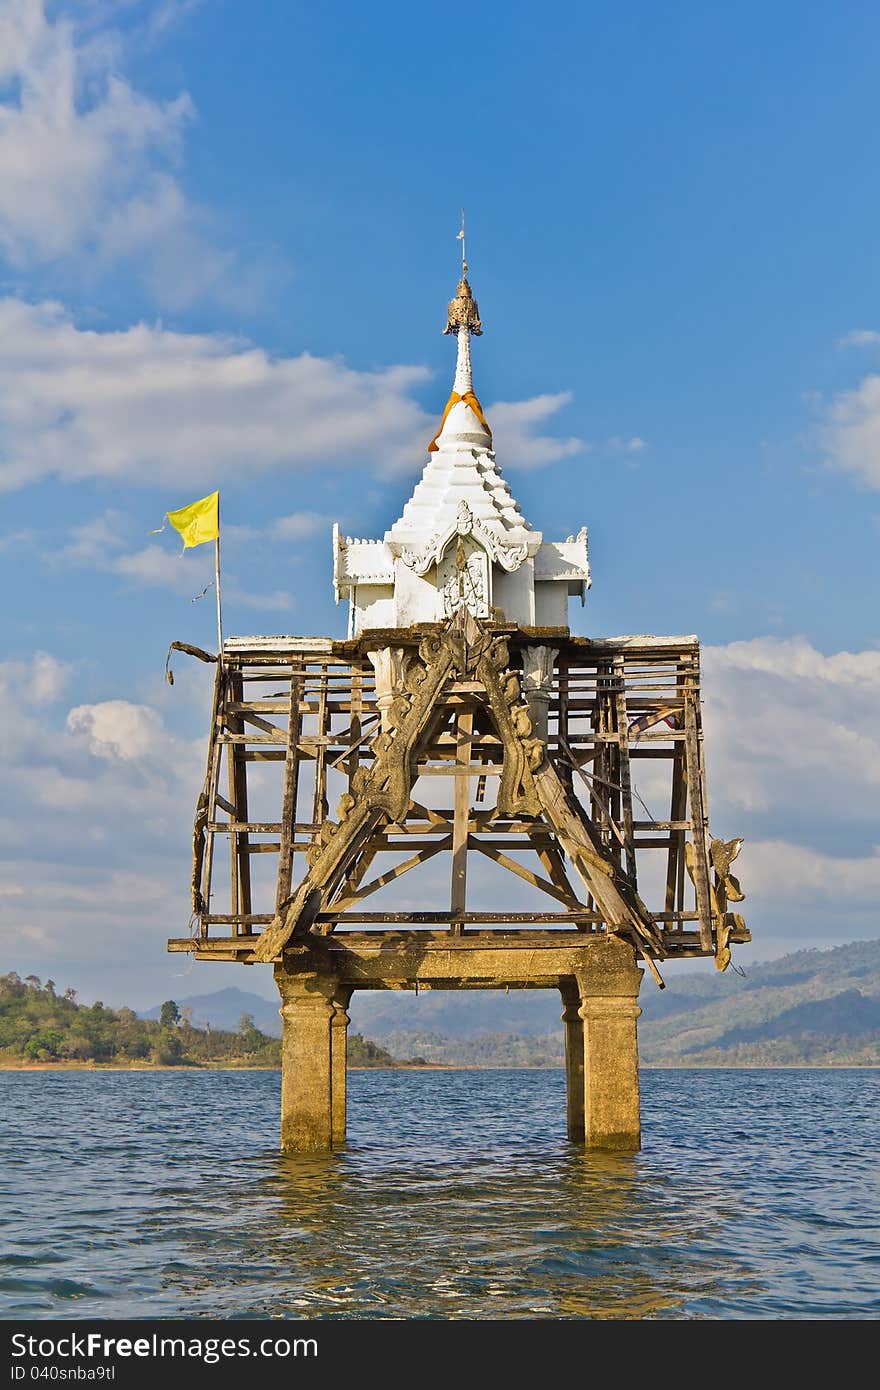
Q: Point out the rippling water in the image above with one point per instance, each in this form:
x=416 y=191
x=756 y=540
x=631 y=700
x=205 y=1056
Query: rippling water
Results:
x=163 y=1195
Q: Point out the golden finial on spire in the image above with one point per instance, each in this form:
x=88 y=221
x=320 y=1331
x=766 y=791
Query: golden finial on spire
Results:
x=463 y=311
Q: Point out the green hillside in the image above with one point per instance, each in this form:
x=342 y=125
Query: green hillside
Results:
x=812 y=1007
x=39 y=1025
x=809 y=1008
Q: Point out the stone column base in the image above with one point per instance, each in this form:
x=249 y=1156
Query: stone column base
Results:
x=608 y=1009
x=313 y=1060
x=574 y=1062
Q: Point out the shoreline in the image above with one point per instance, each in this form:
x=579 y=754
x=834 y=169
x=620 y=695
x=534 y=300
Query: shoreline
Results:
x=7 y=1065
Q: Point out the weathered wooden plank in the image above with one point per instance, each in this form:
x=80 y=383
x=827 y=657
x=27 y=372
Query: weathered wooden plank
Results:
x=211 y=784
x=618 y=902
x=551 y=858
x=239 y=796
x=289 y=795
x=452 y=770
x=320 y=808
x=470 y=916
x=675 y=866
x=278 y=737
x=626 y=800
x=699 y=820
x=243 y=646
x=256 y=720
x=254 y=918
x=464 y=729
x=254 y=827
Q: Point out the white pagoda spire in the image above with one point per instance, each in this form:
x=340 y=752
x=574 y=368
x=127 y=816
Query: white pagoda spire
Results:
x=464 y=380
x=461 y=325
x=461 y=515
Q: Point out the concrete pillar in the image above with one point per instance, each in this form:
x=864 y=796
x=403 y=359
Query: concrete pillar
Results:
x=339 y=1067
x=574 y=1063
x=538 y=667
x=608 y=994
x=611 y=1074
x=387 y=662
x=308 y=1011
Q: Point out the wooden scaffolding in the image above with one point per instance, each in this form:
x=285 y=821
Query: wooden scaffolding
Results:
x=336 y=769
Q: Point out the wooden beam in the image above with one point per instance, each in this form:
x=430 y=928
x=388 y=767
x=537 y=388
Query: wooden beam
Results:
x=675 y=865
x=212 y=782
x=462 y=806
x=626 y=802
x=464 y=917
x=698 y=816
x=320 y=808
x=554 y=863
x=289 y=793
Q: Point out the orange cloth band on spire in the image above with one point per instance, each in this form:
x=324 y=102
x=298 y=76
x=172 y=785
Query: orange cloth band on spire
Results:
x=469 y=399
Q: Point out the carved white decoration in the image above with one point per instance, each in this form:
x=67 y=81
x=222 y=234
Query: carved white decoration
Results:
x=509 y=557
x=387 y=662
x=465 y=588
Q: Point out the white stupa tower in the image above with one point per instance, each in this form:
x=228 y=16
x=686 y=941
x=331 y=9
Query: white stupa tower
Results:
x=461 y=539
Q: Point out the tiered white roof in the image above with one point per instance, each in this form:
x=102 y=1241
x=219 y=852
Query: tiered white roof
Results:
x=461 y=538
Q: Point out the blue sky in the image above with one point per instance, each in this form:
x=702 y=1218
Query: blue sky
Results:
x=227 y=239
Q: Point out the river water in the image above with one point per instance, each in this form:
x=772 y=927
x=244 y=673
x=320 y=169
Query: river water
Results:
x=163 y=1195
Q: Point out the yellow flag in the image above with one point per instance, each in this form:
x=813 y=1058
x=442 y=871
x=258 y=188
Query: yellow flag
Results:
x=199 y=522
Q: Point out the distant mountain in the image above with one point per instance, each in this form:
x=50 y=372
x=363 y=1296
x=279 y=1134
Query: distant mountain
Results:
x=816 y=1006
x=810 y=1007
x=224 y=1009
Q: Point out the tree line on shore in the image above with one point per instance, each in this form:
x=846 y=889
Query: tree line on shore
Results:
x=39 y=1023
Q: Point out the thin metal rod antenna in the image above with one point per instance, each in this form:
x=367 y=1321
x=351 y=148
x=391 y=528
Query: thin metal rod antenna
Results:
x=460 y=237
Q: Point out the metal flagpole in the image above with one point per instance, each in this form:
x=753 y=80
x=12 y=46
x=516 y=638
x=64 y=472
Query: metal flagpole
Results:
x=217 y=586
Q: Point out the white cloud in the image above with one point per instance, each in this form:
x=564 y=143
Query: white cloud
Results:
x=107 y=792
x=618 y=445
x=792 y=750
x=859 y=337
x=792 y=877
x=87 y=163
x=38 y=681
x=514 y=437
x=93 y=541
x=792 y=741
x=276 y=601
x=189 y=572
x=188 y=410
x=116 y=729
x=850 y=432
x=794 y=659
x=75 y=141
x=298 y=525
x=160 y=567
